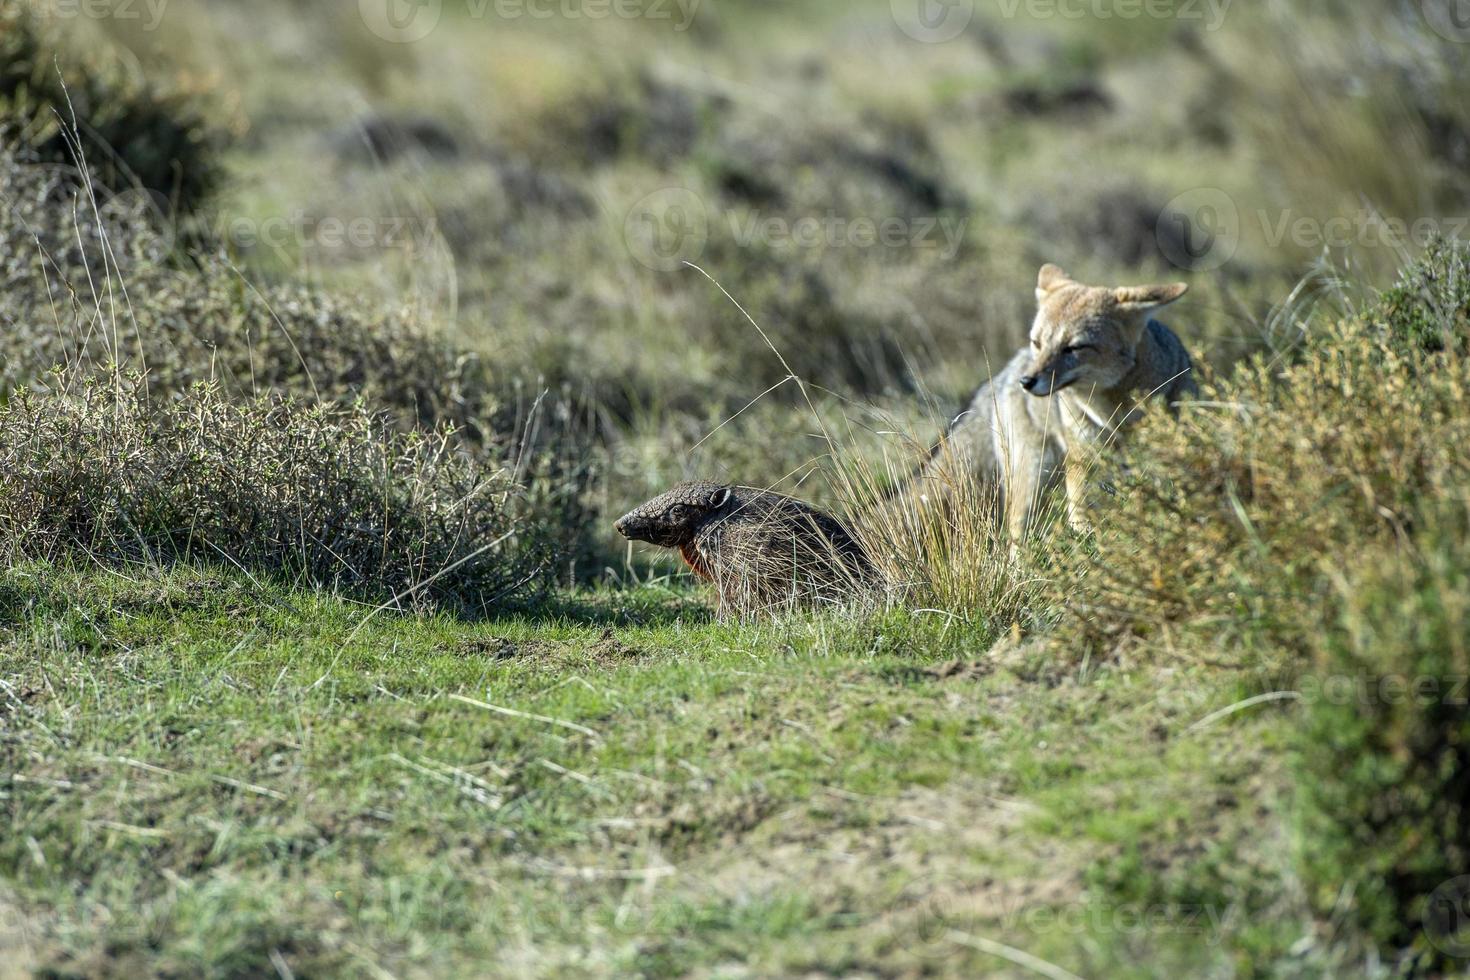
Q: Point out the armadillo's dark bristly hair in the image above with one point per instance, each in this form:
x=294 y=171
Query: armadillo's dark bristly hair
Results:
x=672 y=518
x=694 y=493
x=764 y=551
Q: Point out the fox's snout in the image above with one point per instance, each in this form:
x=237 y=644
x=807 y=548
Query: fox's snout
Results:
x=1043 y=384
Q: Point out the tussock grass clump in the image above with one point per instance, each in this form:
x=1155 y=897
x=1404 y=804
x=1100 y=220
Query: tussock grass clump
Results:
x=329 y=495
x=93 y=283
x=939 y=542
x=134 y=131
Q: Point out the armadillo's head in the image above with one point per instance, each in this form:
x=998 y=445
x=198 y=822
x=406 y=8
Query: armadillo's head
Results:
x=670 y=520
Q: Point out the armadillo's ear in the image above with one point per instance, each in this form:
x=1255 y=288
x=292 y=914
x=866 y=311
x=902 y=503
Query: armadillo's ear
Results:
x=1050 y=279
x=1144 y=299
x=720 y=498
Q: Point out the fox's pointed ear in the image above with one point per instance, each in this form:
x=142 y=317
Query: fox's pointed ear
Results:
x=1050 y=280
x=1142 y=299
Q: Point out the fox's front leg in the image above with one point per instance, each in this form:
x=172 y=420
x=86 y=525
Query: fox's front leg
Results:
x=1022 y=486
x=1080 y=468
x=1083 y=442
x=1079 y=461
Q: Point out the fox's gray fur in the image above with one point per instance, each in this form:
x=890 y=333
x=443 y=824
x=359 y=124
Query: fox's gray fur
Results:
x=1096 y=358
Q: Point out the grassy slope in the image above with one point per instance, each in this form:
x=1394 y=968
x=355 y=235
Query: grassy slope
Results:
x=208 y=774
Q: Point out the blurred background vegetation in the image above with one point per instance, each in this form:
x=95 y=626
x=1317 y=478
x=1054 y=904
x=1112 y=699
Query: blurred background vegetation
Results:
x=498 y=187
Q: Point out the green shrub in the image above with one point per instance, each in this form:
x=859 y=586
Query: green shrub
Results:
x=1429 y=307
x=132 y=131
x=1383 y=758
x=326 y=494
x=1230 y=512
x=1305 y=524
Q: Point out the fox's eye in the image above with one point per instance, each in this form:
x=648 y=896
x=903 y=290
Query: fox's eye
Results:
x=1036 y=345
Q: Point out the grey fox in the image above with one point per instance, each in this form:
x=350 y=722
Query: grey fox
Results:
x=1096 y=356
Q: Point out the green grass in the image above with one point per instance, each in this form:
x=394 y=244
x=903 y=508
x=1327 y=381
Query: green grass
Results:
x=207 y=775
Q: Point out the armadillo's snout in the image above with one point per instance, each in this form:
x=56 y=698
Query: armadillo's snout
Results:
x=630 y=526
